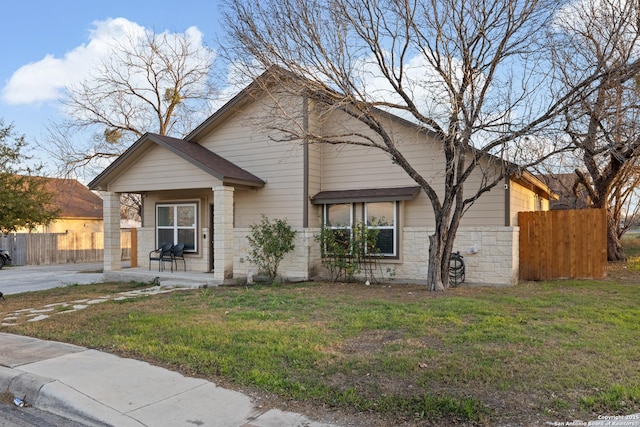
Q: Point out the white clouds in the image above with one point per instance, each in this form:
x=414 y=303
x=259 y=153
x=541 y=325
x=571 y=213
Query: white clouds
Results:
x=46 y=79
x=35 y=82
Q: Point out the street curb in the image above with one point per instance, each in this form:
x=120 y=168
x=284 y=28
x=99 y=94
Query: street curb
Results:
x=24 y=385
x=52 y=396
x=62 y=400
x=279 y=418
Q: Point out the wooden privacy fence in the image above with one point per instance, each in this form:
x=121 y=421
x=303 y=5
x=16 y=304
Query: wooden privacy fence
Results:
x=60 y=248
x=563 y=244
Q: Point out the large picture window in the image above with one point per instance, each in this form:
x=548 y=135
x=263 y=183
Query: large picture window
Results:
x=381 y=216
x=176 y=223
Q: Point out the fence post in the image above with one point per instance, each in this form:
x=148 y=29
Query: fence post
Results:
x=134 y=247
x=20 y=249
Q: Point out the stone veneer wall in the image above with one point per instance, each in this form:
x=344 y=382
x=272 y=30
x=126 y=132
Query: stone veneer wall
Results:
x=111 y=214
x=146 y=241
x=302 y=264
x=490 y=256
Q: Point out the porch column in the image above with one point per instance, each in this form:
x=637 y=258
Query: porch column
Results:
x=222 y=232
x=111 y=213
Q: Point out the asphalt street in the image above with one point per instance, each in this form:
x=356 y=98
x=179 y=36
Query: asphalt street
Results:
x=13 y=416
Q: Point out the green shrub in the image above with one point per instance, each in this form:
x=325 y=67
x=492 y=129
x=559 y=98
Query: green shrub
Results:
x=347 y=253
x=269 y=242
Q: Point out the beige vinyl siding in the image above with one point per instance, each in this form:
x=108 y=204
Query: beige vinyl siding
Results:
x=355 y=167
x=160 y=169
x=243 y=140
x=489 y=209
x=315 y=182
x=522 y=200
x=315 y=169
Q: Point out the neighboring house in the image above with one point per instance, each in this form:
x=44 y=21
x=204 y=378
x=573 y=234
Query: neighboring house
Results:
x=80 y=208
x=563 y=185
x=206 y=191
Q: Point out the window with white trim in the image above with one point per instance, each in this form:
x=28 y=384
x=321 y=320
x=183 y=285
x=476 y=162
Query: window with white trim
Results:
x=177 y=223
x=381 y=216
x=339 y=218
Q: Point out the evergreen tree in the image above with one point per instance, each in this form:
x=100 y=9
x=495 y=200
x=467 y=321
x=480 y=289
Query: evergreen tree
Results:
x=24 y=200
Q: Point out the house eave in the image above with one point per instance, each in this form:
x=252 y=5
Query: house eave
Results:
x=368 y=195
x=101 y=181
x=238 y=183
x=528 y=180
x=79 y=218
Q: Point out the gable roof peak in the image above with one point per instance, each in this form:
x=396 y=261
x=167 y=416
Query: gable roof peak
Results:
x=194 y=153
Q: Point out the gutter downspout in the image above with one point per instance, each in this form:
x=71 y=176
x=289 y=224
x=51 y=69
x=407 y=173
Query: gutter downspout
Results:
x=507 y=201
x=305 y=156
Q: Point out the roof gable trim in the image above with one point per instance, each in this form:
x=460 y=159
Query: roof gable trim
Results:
x=194 y=153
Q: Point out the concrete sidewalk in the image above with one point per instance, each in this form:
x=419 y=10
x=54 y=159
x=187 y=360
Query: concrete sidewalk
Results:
x=100 y=389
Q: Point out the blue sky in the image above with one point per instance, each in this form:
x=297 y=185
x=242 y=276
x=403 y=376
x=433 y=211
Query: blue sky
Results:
x=45 y=37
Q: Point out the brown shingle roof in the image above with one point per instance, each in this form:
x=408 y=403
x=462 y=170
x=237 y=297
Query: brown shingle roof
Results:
x=74 y=199
x=208 y=160
x=194 y=153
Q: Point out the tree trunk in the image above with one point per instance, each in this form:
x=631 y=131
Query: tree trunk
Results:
x=614 y=245
x=436 y=248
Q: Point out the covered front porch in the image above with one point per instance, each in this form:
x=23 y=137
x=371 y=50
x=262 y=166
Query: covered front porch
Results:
x=208 y=235
x=189 y=279
x=187 y=196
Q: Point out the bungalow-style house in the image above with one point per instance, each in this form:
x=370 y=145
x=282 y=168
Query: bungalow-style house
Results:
x=80 y=209
x=207 y=189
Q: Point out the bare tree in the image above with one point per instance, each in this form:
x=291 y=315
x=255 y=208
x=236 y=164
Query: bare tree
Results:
x=625 y=199
x=148 y=82
x=468 y=71
x=603 y=36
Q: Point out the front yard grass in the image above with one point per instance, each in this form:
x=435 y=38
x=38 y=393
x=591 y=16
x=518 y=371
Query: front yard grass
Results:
x=395 y=354
x=631 y=244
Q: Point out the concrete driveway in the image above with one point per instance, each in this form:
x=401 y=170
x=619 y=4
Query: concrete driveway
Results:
x=18 y=279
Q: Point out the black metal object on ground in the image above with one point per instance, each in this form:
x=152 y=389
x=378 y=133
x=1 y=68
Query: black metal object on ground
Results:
x=456 y=269
x=5 y=258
